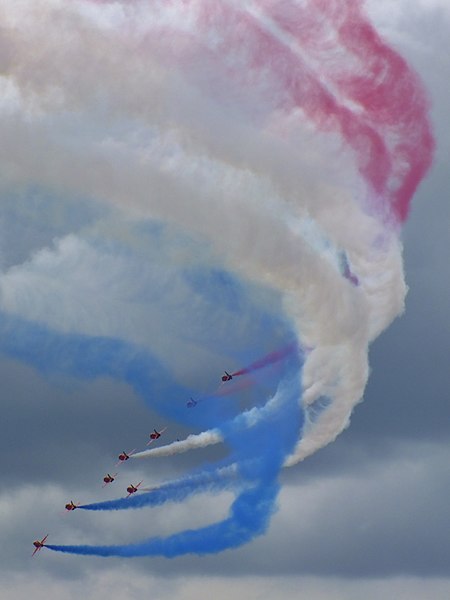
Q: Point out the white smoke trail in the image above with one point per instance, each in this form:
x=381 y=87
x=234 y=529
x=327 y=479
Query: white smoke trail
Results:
x=249 y=190
x=240 y=424
x=206 y=438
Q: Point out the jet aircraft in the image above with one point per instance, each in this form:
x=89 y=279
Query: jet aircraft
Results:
x=132 y=489
x=155 y=435
x=38 y=545
x=123 y=456
x=108 y=479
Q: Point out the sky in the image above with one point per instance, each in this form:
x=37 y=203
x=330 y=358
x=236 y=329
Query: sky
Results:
x=178 y=198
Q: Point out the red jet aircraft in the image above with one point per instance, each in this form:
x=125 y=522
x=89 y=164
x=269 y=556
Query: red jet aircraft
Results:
x=227 y=377
x=155 y=435
x=38 y=545
x=131 y=489
x=108 y=479
x=71 y=506
x=125 y=456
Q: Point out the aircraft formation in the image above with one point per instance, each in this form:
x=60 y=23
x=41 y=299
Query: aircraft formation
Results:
x=122 y=458
x=107 y=479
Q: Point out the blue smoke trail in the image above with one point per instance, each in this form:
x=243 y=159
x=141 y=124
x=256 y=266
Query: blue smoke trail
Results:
x=212 y=480
x=214 y=301
x=257 y=450
x=262 y=451
x=250 y=514
x=221 y=475
x=88 y=358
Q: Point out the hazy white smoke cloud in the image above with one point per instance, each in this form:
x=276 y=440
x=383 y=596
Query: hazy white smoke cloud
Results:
x=140 y=108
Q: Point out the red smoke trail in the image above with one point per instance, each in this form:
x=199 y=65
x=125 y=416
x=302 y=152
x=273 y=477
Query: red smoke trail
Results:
x=267 y=360
x=389 y=129
x=371 y=96
x=324 y=57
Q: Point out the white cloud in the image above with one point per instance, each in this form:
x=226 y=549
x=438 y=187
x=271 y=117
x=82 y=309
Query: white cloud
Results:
x=123 y=583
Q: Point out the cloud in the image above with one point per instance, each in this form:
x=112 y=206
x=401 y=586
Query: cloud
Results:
x=229 y=179
x=128 y=585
